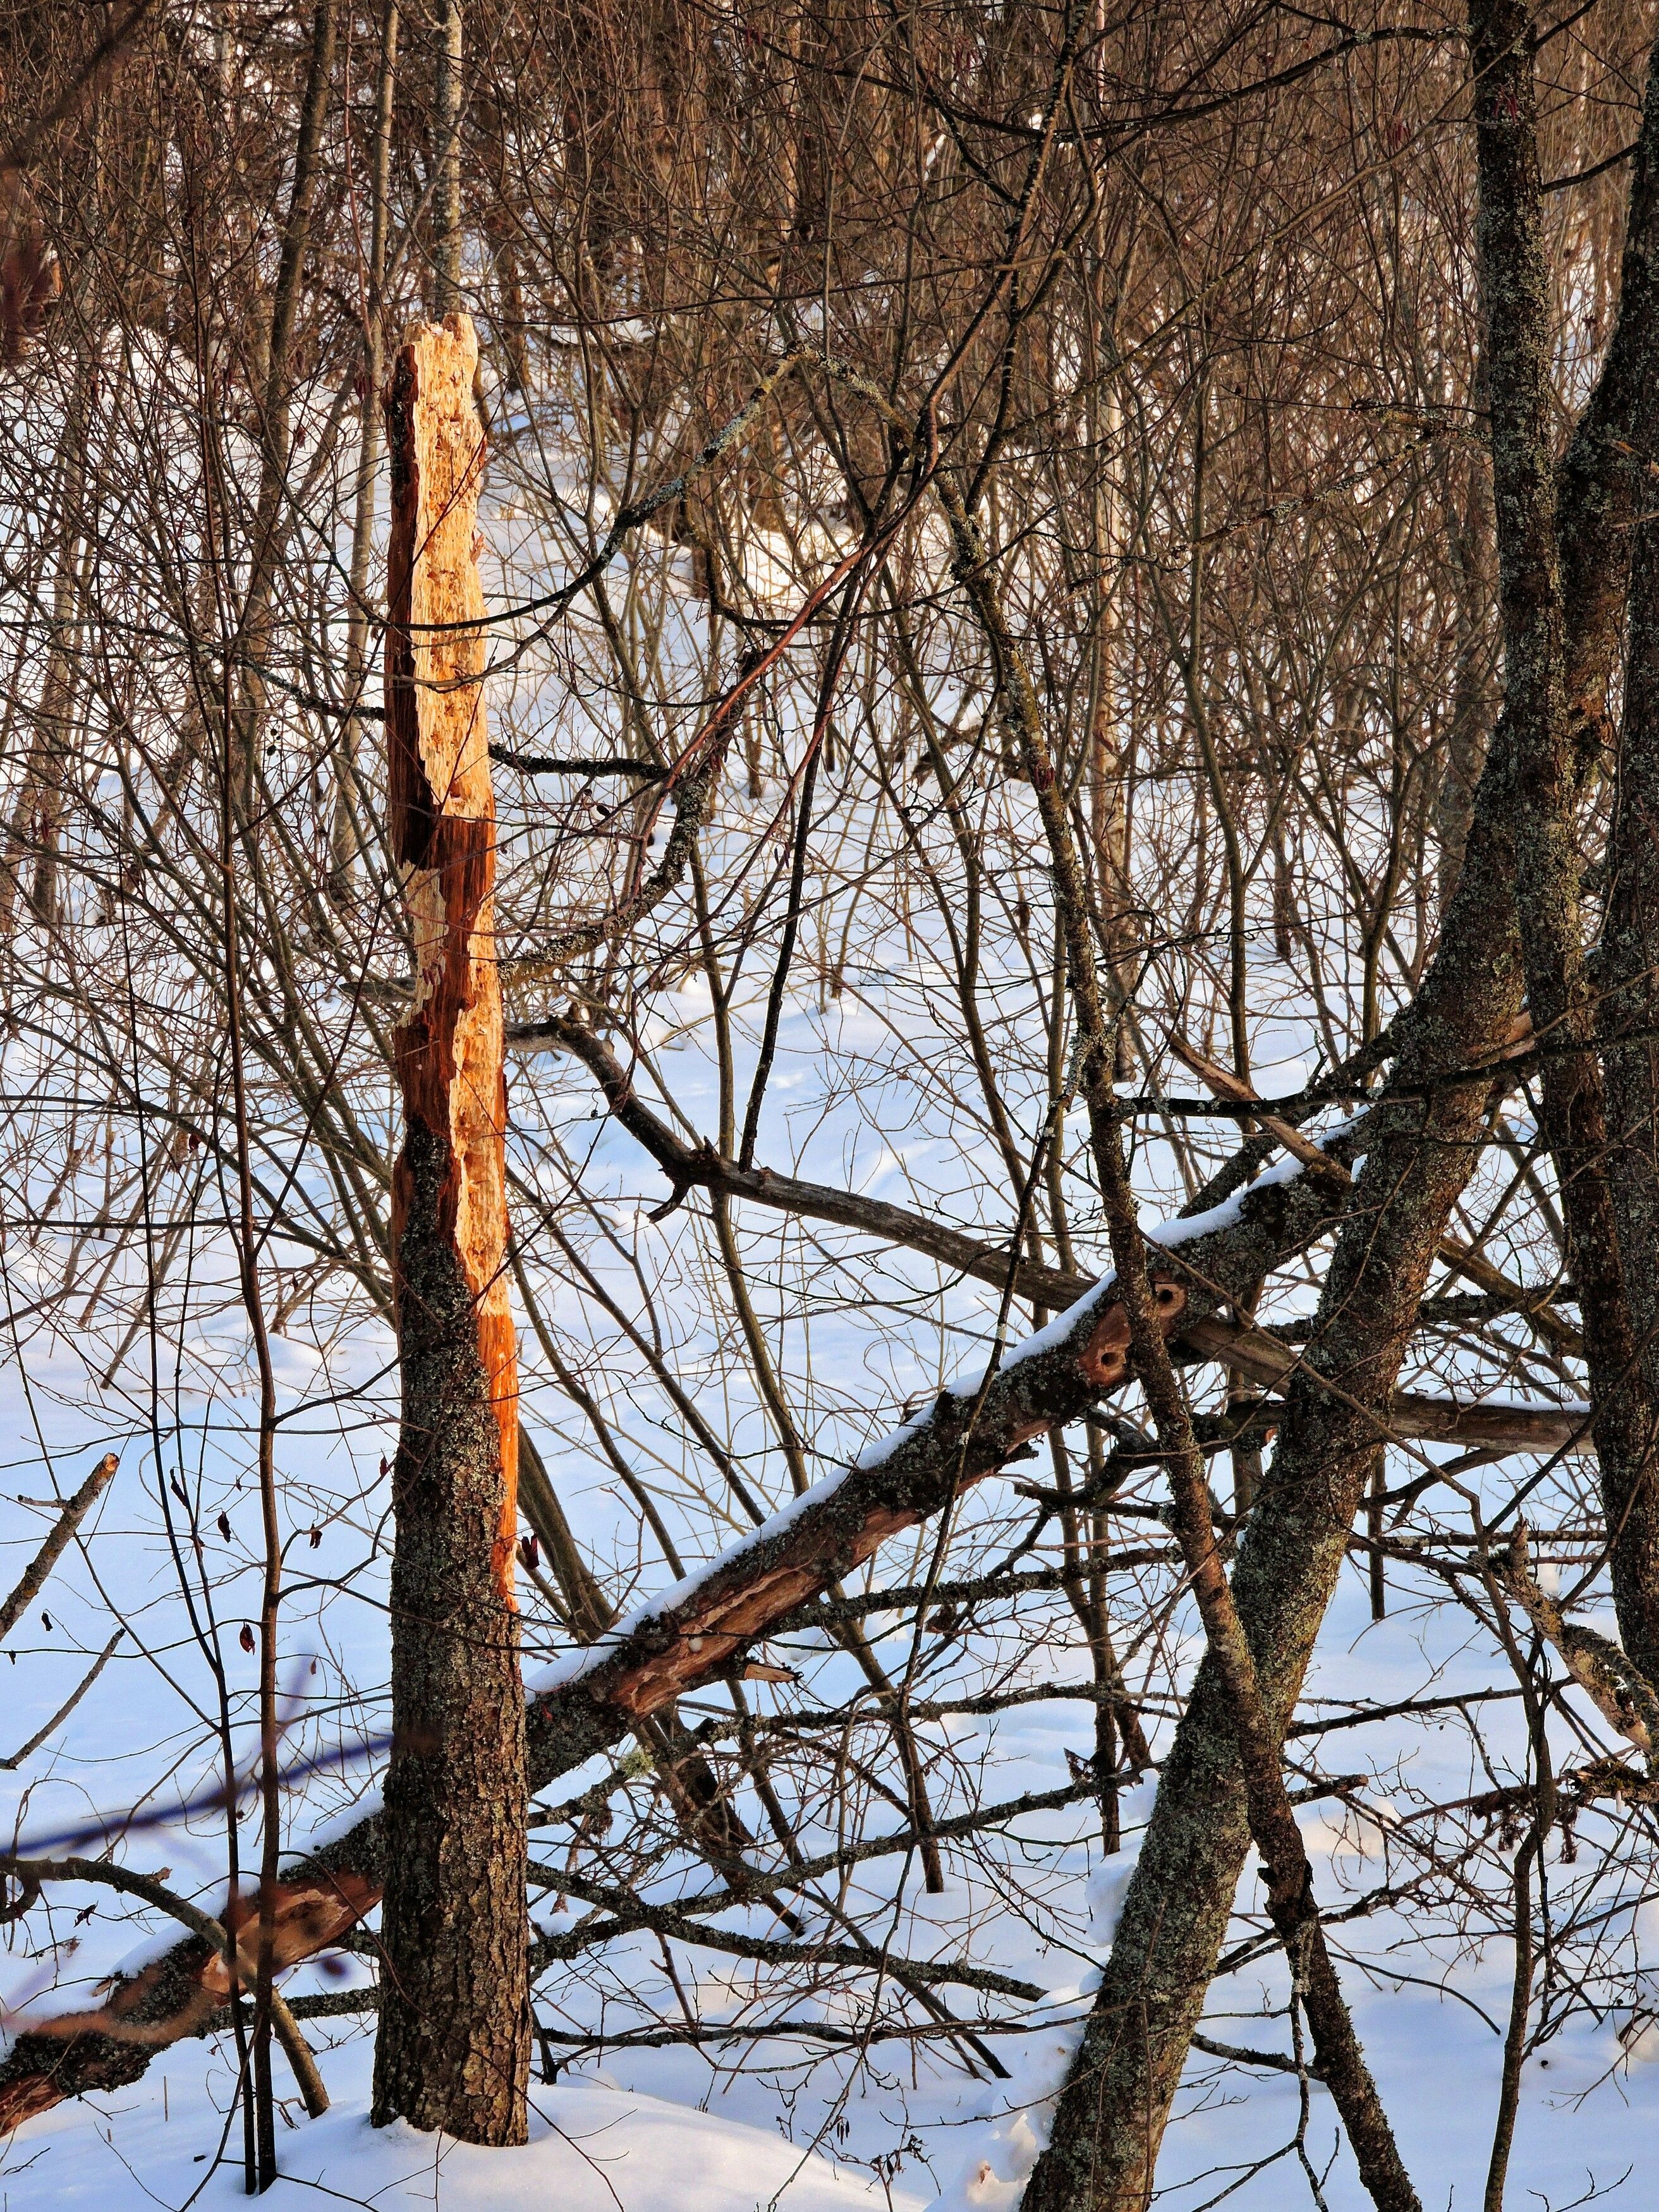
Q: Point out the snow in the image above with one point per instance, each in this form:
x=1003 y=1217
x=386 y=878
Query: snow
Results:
x=998 y=2162
x=637 y=2137
x=592 y=2149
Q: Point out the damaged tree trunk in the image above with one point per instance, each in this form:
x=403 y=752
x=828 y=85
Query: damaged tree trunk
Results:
x=453 y=2047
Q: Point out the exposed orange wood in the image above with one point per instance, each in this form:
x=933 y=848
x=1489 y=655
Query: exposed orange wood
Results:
x=442 y=823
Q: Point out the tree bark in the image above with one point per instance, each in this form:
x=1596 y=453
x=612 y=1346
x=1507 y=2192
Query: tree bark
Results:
x=1112 y=2111
x=448 y=96
x=346 y=833
x=1288 y=1875
x=763 y=1584
x=1257 y=1735
x=1627 y=981
x=1516 y=288
x=454 y=2046
x=1559 y=636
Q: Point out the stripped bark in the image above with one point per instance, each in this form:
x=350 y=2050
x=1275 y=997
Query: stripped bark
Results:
x=32 y=1875
x=1467 y=1010
x=641 y=1665
x=453 y=2050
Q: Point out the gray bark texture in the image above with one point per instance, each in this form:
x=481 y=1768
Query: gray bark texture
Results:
x=452 y=2049
x=1550 y=762
x=1562 y=569
x=1627 y=970
x=1624 y=1362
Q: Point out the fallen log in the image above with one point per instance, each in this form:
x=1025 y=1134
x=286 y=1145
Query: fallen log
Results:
x=697 y=1630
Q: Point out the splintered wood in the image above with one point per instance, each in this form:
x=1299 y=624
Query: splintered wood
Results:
x=453 y=2049
x=442 y=820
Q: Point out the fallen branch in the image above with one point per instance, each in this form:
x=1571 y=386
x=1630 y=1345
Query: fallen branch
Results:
x=151 y=1889
x=695 y=1633
x=69 y=1520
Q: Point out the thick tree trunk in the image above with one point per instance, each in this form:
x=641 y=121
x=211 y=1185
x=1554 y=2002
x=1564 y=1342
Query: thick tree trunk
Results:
x=1517 y=287
x=1112 y=2111
x=1469 y=529
x=1561 y=604
x=1628 y=973
x=453 y=2048
x=1625 y=1178
x=1287 y=1874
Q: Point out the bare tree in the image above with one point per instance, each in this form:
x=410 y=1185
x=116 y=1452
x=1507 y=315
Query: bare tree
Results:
x=1066 y=609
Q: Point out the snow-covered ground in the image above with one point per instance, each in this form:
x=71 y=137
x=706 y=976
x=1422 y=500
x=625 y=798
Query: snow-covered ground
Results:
x=592 y=2149
x=1589 y=2121
x=676 y=2131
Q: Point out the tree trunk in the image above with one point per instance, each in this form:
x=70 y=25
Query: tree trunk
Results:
x=32 y=832
x=1627 y=976
x=447 y=100
x=1113 y=2109
x=346 y=830
x=453 y=2049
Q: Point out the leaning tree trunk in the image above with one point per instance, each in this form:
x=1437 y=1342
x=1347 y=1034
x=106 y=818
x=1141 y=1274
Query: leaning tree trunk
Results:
x=454 y=2046
x=1109 y=2121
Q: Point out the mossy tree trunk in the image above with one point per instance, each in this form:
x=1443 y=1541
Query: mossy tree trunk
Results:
x=1563 y=548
